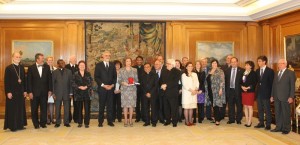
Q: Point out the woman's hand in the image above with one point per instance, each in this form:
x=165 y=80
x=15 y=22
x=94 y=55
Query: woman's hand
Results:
x=220 y=92
x=117 y=91
x=125 y=84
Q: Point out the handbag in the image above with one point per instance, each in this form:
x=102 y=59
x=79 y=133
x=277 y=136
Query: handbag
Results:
x=201 y=98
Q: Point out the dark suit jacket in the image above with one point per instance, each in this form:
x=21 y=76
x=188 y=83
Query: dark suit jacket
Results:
x=103 y=76
x=171 y=78
x=201 y=78
x=250 y=81
x=149 y=83
x=264 y=84
x=140 y=70
x=75 y=69
x=238 y=81
x=36 y=84
x=285 y=87
x=62 y=84
x=77 y=81
x=225 y=67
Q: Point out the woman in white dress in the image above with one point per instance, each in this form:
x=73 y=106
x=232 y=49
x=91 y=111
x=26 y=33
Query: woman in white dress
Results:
x=190 y=86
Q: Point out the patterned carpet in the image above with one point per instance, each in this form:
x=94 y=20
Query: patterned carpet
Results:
x=205 y=134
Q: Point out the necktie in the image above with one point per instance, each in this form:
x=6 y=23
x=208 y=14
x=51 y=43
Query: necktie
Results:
x=280 y=75
x=232 y=79
x=106 y=65
x=261 y=73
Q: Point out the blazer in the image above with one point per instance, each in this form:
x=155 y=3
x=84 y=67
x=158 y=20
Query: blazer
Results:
x=149 y=83
x=238 y=81
x=77 y=81
x=73 y=69
x=201 y=78
x=250 y=80
x=284 y=88
x=171 y=78
x=36 y=84
x=62 y=84
x=264 y=84
x=103 y=76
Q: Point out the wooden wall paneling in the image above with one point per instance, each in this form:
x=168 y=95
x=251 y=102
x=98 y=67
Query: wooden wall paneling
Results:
x=67 y=36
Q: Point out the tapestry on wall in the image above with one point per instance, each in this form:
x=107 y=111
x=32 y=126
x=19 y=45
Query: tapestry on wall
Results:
x=122 y=39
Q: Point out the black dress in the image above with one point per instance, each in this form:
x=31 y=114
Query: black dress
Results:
x=15 y=113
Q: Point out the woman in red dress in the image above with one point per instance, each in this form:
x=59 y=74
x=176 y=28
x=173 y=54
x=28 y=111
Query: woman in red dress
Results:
x=248 y=93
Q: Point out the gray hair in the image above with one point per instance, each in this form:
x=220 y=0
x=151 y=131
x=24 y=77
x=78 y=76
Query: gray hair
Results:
x=172 y=62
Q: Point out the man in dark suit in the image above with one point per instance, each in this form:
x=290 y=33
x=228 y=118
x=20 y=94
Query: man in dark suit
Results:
x=106 y=77
x=39 y=89
x=233 y=79
x=158 y=69
x=62 y=92
x=139 y=109
x=169 y=84
x=224 y=68
x=283 y=92
x=263 y=92
x=74 y=68
x=149 y=88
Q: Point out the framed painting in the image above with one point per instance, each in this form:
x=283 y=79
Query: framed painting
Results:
x=28 y=49
x=214 y=50
x=292 y=50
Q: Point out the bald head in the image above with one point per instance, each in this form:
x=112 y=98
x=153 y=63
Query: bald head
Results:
x=73 y=60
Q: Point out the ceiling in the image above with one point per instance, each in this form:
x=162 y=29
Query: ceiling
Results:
x=211 y=10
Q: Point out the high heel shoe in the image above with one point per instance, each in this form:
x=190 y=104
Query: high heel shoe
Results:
x=217 y=123
x=131 y=124
x=187 y=124
x=248 y=125
x=125 y=124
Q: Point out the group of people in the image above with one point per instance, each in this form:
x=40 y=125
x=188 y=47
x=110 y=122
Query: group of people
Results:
x=162 y=92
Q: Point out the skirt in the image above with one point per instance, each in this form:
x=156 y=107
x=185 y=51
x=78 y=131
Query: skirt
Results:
x=248 y=98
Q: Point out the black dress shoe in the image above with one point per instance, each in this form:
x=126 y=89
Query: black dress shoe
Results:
x=167 y=123
x=86 y=126
x=174 y=125
x=238 y=122
x=119 y=120
x=210 y=119
x=275 y=130
x=285 y=132
x=161 y=121
x=137 y=120
x=229 y=122
x=23 y=128
x=259 y=126
x=43 y=126
x=79 y=125
x=36 y=127
x=111 y=124
x=13 y=130
x=48 y=123
x=146 y=124
x=153 y=125
x=200 y=121
x=100 y=125
x=268 y=128
x=67 y=125
x=56 y=125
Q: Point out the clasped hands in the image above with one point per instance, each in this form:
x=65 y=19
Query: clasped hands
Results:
x=163 y=87
x=245 y=88
x=108 y=87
